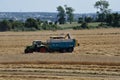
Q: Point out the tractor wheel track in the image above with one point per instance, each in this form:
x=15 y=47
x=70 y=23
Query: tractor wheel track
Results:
x=58 y=71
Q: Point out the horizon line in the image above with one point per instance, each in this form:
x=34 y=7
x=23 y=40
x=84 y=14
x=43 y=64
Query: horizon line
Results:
x=46 y=12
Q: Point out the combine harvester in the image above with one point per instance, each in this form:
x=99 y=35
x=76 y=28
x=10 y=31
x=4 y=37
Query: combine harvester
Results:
x=56 y=43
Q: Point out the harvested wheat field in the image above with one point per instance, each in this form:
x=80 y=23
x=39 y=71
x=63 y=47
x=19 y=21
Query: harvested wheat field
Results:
x=97 y=57
x=92 y=42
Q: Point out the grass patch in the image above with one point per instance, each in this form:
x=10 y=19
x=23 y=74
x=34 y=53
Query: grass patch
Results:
x=74 y=24
x=68 y=25
x=94 y=24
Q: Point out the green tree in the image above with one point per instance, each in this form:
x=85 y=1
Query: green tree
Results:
x=84 y=25
x=102 y=6
x=80 y=20
x=5 y=25
x=69 y=12
x=116 y=20
x=88 y=19
x=109 y=19
x=61 y=14
x=31 y=23
x=113 y=19
x=17 y=25
x=101 y=17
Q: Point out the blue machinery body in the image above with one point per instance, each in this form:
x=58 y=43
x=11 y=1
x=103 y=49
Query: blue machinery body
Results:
x=60 y=44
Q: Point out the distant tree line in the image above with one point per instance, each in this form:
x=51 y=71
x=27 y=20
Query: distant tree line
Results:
x=113 y=19
x=30 y=24
x=65 y=14
x=104 y=16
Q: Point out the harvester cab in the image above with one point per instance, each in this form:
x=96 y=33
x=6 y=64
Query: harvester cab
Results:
x=36 y=43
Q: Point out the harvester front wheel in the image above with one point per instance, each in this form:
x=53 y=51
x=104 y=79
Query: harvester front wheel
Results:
x=43 y=49
x=28 y=51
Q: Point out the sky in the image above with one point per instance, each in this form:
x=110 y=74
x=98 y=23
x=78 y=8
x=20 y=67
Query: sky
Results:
x=80 y=6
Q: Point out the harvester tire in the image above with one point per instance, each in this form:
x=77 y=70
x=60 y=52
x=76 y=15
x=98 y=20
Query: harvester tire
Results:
x=43 y=49
x=28 y=51
x=63 y=50
x=70 y=49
